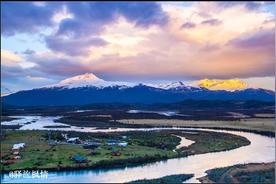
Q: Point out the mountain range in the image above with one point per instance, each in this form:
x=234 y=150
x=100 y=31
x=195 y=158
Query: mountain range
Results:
x=88 y=89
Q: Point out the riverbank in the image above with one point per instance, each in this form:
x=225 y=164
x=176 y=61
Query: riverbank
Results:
x=143 y=147
x=179 y=178
x=263 y=126
x=242 y=173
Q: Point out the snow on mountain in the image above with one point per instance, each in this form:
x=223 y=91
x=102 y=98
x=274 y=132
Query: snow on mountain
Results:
x=177 y=85
x=91 y=80
x=88 y=80
x=228 y=85
x=70 y=92
x=172 y=85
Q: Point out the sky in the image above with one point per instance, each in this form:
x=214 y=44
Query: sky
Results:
x=45 y=42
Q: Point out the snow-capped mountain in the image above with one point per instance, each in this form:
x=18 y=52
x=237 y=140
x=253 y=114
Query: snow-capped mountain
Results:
x=178 y=86
x=88 y=89
x=228 y=85
x=89 y=80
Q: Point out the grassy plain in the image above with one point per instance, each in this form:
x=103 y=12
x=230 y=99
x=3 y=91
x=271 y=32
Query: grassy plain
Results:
x=143 y=147
x=262 y=124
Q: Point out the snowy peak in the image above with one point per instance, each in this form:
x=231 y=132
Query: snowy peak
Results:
x=178 y=86
x=172 y=85
x=87 y=79
x=228 y=85
x=90 y=80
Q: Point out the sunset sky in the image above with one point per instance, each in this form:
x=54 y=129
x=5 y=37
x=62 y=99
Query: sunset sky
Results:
x=43 y=43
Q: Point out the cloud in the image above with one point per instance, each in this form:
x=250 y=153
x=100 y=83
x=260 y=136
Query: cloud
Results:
x=38 y=79
x=90 y=19
x=232 y=21
x=84 y=17
x=150 y=41
x=9 y=58
x=211 y=22
x=61 y=15
x=73 y=47
x=262 y=38
x=141 y=14
x=26 y=17
x=56 y=65
x=170 y=53
x=11 y=71
x=28 y=52
x=252 y=6
x=188 y=25
x=16 y=78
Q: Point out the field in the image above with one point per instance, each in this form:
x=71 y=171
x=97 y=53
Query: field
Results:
x=142 y=147
x=39 y=154
x=260 y=124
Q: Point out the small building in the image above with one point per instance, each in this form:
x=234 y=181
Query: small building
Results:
x=124 y=137
x=65 y=136
x=9 y=162
x=17 y=147
x=2 y=155
x=91 y=145
x=112 y=142
x=15 y=157
x=116 y=153
x=123 y=144
x=15 y=152
x=93 y=152
x=117 y=142
x=80 y=159
x=74 y=140
x=52 y=142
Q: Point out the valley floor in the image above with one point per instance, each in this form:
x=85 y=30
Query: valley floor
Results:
x=259 y=124
x=143 y=147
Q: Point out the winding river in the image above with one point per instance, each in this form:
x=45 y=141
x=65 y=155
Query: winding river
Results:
x=260 y=150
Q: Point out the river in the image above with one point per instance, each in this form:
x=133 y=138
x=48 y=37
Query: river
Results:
x=260 y=150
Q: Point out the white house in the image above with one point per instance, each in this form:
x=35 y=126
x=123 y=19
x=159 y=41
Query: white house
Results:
x=73 y=140
x=18 y=146
x=123 y=144
x=65 y=136
x=117 y=142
